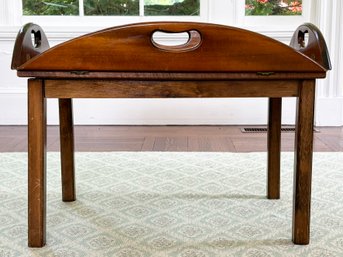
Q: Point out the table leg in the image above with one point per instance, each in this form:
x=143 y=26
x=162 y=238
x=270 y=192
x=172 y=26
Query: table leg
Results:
x=303 y=163
x=36 y=163
x=274 y=148
x=67 y=149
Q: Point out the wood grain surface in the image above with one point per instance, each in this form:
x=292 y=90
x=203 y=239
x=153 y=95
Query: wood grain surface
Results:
x=157 y=89
x=274 y=148
x=36 y=164
x=130 y=48
x=67 y=149
x=303 y=163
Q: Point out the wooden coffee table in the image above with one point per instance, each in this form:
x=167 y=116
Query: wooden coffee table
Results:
x=126 y=62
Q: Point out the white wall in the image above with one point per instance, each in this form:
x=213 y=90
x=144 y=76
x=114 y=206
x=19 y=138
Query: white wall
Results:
x=325 y=14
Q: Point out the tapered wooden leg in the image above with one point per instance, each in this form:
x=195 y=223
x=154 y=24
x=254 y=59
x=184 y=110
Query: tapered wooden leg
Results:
x=303 y=163
x=274 y=148
x=36 y=163
x=67 y=149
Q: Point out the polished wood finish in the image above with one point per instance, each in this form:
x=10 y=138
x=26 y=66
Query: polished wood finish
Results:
x=170 y=76
x=315 y=48
x=129 y=48
x=274 y=148
x=125 y=62
x=67 y=149
x=303 y=163
x=30 y=42
x=157 y=89
x=36 y=163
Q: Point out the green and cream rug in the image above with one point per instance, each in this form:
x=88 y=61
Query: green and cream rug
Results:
x=140 y=204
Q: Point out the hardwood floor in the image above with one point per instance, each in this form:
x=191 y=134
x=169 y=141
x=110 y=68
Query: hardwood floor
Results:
x=167 y=138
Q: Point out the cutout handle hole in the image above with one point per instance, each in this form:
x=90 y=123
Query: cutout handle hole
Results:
x=170 y=39
x=176 y=41
x=36 y=38
x=303 y=38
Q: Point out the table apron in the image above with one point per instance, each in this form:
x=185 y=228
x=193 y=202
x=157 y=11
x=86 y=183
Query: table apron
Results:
x=70 y=88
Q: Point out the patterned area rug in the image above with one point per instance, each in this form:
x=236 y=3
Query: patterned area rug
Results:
x=172 y=204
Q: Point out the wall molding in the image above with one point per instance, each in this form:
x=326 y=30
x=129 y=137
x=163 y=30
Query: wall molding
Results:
x=225 y=111
x=9 y=14
x=62 y=34
x=9 y=33
x=230 y=111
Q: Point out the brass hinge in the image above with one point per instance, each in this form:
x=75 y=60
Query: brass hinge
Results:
x=265 y=73
x=80 y=72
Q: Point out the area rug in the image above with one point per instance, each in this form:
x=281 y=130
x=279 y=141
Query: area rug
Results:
x=140 y=204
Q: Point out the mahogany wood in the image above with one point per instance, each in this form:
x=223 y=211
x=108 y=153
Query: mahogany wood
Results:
x=303 y=163
x=154 y=89
x=67 y=149
x=129 y=49
x=36 y=163
x=315 y=47
x=274 y=148
x=170 y=76
x=25 y=48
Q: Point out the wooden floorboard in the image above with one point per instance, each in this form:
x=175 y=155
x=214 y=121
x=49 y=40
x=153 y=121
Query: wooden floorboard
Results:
x=167 y=138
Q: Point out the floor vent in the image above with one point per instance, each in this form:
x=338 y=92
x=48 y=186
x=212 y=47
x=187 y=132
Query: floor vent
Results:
x=264 y=130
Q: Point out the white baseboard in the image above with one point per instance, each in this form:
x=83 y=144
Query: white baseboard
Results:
x=205 y=111
x=143 y=111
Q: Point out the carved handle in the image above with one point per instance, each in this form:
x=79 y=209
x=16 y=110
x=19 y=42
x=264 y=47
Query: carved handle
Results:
x=30 y=41
x=308 y=40
x=193 y=42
